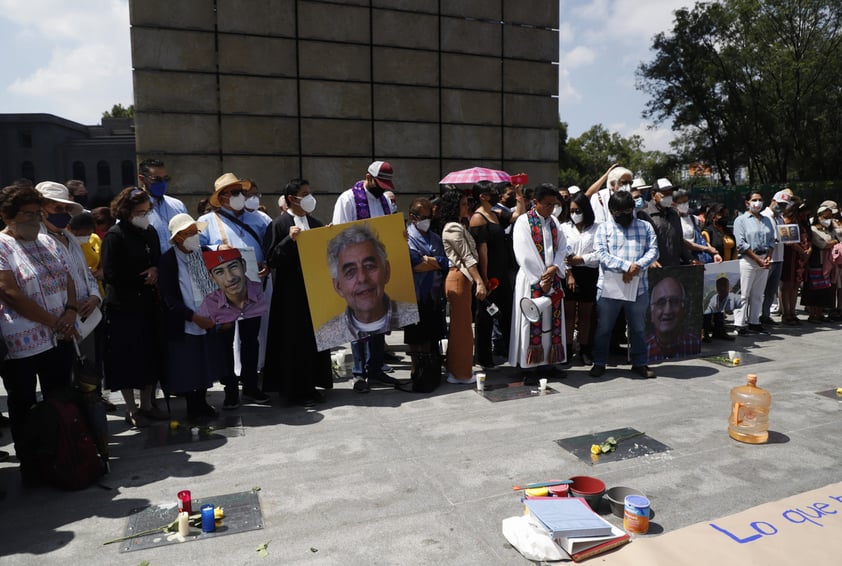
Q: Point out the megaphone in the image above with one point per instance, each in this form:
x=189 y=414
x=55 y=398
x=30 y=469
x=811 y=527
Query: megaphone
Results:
x=538 y=309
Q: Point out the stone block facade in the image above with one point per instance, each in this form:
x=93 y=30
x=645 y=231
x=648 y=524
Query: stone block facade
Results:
x=275 y=89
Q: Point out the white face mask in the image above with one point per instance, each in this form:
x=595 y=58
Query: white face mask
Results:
x=83 y=240
x=825 y=222
x=252 y=203
x=666 y=201
x=308 y=204
x=577 y=217
x=423 y=225
x=141 y=222
x=683 y=208
x=756 y=205
x=557 y=210
x=191 y=243
x=237 y=203
x=393 y=207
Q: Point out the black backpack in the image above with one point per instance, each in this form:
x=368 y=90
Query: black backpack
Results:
x=58 y=446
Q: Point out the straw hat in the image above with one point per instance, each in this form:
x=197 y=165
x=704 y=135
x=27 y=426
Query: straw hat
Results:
x=223 y=182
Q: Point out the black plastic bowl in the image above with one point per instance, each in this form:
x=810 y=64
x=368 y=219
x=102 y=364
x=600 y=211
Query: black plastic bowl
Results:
x=616 y=497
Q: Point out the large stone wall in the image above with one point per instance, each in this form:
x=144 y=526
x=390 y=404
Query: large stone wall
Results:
x=274 y=89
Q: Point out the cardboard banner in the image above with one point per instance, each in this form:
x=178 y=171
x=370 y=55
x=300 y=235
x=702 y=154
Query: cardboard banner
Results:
x=674 y=316
x=358 y=279
x=802 y=529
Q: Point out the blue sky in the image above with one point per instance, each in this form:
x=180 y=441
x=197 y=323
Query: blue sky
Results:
x=73 y=59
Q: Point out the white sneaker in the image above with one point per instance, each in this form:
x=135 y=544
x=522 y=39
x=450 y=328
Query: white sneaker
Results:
x=456 y=381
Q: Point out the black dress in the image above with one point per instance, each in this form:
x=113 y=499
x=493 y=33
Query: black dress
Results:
x=293 y=365
x=135 y=341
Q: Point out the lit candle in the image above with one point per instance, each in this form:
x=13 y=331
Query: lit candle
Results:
x=183 y=524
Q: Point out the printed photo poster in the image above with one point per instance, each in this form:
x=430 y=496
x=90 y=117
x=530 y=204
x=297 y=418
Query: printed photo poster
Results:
x=789 y=233
x=674 y=316
x=230 y=286
x=358 y=279
x=720 y=296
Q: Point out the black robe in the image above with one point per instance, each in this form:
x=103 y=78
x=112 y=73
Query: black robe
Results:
x=293 y=365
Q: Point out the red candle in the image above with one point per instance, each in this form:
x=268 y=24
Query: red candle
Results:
x=184 y=502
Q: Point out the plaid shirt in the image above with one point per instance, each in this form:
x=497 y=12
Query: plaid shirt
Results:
x=617 y=248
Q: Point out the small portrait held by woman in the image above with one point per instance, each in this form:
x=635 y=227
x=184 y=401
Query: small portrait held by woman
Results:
x=38 y=308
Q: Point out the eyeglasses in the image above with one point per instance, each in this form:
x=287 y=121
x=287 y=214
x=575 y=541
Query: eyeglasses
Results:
x=234 y=193
x=671 y=301
x=156 y=179
x=419 y=216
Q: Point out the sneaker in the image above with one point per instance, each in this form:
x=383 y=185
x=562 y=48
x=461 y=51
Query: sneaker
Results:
x=361 y=386
x=256 y=396
x=597 y=371
x=232 y=400
x=758 y=328
x=383 y=378
x=456 y=381
x=643 y=371
x=742 y=330
x=768 y=320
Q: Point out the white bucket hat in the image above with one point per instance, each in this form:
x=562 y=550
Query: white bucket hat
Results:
x=182 y=221
x=57 y=192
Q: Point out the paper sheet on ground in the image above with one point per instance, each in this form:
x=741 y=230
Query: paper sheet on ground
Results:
x=802 y=529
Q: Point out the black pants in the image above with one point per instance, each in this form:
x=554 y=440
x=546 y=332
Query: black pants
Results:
x=249 y=349
x=502 y=297
x=52 y=368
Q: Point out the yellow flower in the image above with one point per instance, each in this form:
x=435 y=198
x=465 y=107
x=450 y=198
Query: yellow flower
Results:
x=174 y=424
x=218 y=513
x=736 y=361
x=596 y=449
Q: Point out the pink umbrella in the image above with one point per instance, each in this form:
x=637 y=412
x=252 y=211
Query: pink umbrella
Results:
x=475 y=174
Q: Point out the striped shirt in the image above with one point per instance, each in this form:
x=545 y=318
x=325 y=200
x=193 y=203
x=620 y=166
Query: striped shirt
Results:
x=617 y=248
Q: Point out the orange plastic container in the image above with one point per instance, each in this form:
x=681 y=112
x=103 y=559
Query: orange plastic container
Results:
x=749 y=420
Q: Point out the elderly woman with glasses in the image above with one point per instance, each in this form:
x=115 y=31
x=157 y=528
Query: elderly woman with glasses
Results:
x=37 y=306
x=130 y=256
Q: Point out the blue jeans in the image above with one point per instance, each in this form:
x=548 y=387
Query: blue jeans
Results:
x=368 y=355
x=606 y=313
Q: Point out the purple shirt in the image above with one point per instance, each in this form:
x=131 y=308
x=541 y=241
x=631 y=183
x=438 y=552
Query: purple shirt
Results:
x=216 y=307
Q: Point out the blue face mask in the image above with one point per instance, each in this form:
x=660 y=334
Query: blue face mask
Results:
x=59 y=220
x=158 y=189
x=638 y=203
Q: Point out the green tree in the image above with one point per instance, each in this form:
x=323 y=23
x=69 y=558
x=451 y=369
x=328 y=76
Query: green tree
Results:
x=752 y=83
x=588 y=156
x=118 y=111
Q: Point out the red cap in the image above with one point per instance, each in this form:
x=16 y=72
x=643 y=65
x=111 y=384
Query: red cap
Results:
x=382 y=173
x=218 y=257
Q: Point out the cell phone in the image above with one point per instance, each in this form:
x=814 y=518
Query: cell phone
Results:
x=520 y=179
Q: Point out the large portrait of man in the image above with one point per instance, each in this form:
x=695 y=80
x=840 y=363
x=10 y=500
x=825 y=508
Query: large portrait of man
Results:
x=358 y=279
x=674 y=316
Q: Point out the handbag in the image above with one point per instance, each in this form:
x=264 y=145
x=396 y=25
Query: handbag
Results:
x=816 y=279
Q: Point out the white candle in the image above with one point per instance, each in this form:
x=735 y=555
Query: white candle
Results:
x=183 y=524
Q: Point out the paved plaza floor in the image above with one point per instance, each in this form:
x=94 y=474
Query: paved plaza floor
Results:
x=392 y=477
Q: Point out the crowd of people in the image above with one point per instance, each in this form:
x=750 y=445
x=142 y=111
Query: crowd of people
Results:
x=539 y=277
